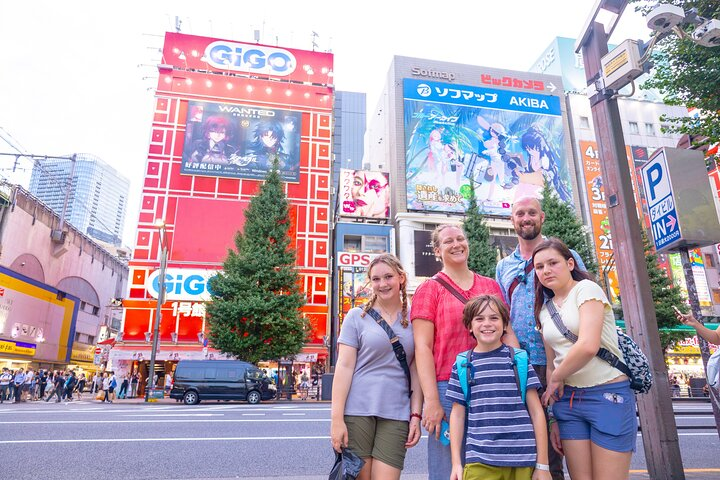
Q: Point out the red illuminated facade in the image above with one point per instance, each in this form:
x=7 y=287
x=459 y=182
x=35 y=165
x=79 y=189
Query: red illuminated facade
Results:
x=203 y=212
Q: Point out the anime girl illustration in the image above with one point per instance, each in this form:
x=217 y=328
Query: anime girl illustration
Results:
x=213 y=147
x=542 y=157
x=268 y=138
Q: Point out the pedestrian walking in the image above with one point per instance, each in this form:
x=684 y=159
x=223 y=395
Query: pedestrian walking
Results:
x=106 y=388
x=80 y=388
x=122 y=393
x=5 y=379
x=18 y=383
x=134 y=384
x=376 y=398
x=591 y=400
x=440 y=334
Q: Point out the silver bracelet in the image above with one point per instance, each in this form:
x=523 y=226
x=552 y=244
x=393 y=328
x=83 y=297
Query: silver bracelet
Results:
x=542 y=466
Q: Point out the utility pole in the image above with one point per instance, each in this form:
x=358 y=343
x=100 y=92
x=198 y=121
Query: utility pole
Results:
x=657 y=421
x=704 y=347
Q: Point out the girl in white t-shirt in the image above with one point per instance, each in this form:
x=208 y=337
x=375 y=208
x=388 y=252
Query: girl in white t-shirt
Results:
x=591 y=400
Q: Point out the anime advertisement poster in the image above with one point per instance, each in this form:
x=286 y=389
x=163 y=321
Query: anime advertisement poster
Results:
x=504 y=144
x=364 y=194
x=241 y=141
x=599 y=218
x=355 y=290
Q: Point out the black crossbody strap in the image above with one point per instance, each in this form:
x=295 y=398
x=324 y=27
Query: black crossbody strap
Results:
x=396 y=345
x=603 y=353
x=516 y=281
x=450 y=288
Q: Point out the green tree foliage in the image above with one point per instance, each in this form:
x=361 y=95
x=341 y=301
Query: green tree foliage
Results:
x=483 y=256
x=688 y=74
x=561 y=222
x=255 y=309
x=664 y=294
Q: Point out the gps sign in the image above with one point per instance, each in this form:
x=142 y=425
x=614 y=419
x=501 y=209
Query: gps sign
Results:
x=355 y=259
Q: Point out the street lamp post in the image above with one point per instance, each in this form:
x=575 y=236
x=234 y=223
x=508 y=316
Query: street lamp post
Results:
x=160 y=224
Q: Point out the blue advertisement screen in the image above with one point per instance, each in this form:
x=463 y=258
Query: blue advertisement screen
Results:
x=502 y=143
x=241 y=141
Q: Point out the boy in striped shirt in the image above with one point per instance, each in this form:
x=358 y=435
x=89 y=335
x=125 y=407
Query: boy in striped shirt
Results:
x=506 y=438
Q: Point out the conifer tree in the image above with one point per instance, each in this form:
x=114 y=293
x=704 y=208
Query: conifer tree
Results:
x=483 y=256
x=561 y=222
x=255 y=311
x=665 y=294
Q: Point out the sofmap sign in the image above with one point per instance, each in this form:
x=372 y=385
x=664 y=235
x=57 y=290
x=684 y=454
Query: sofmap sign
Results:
x=661 y=203
x=182 y=284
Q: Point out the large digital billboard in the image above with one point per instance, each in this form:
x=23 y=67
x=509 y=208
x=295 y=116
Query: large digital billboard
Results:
x=503 y=143
x=241 y=141
x=364 y=194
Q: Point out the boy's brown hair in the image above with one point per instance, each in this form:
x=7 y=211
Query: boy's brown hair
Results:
x=475 y=306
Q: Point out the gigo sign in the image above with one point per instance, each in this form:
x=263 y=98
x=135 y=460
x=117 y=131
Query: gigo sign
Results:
x=355 y=259
x=181 y=284
x=249 y=58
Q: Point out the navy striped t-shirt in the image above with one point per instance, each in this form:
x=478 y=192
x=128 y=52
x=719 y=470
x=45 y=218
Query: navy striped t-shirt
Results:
x=499 y=429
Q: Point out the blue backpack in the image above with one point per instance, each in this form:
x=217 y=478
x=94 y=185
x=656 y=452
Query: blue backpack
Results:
x=519 y=359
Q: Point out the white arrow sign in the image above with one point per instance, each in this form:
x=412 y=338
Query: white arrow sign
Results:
x=552 y=87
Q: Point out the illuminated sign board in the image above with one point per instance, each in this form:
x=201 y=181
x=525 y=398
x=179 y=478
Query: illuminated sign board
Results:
x=504 y=144
x=250 y=58
x=17 y=348
x=181 y=284
x=355 y=259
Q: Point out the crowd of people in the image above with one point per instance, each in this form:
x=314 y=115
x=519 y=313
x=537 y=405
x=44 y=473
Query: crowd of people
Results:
x=450 y=363
x=24 y=385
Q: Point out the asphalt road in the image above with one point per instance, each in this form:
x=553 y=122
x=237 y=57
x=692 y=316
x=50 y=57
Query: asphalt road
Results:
x=132 y=441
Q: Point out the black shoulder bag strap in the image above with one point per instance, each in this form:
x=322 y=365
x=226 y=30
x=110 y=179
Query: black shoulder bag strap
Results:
x=516 y=281
x=396 y=345
x=450 y=288
x=603 y=353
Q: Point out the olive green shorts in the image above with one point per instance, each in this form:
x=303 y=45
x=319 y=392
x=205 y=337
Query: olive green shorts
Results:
x=480 y=471
x=379 y=438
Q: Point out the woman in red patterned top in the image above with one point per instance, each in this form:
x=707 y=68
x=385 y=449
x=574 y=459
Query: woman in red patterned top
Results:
x=440 y=335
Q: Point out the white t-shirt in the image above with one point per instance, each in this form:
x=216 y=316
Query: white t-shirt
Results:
x=597 y=371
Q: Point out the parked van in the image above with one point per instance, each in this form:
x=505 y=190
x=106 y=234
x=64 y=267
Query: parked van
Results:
x=197 y=380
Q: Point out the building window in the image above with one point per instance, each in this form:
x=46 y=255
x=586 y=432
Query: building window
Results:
x=634 y=128
x=650 y=129
x=374 y=244
x=352 y=243
x=584 y=122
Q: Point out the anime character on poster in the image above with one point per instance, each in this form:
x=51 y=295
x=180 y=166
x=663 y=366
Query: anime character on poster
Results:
x=214 y=147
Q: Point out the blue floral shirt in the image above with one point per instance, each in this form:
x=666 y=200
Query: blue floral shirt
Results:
x=523 y=300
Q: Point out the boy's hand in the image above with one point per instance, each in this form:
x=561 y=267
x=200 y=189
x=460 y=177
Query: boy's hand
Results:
x=541 y=475
x=457 y=472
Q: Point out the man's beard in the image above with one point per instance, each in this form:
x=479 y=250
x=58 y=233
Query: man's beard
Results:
x=528 y=234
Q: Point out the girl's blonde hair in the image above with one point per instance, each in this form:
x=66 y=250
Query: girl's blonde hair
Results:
x=391 y=261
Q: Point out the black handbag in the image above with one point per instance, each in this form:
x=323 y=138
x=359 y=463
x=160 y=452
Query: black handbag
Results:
x=347 y=465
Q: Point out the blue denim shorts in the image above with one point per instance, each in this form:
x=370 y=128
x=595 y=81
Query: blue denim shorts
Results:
x=605 y=414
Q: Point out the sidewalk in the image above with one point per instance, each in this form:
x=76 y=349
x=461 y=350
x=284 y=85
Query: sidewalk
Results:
x=170 y=401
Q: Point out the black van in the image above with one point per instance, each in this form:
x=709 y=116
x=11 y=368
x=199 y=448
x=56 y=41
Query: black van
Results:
x=197 y=380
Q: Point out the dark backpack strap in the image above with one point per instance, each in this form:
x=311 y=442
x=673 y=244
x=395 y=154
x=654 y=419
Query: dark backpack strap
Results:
x=516 y=281
x=603 y=353
x=396 y=345
x=450 y=288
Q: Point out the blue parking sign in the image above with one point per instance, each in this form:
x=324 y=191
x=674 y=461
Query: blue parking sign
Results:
x=665 y=224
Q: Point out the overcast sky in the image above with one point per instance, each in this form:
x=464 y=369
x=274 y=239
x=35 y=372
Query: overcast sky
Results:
x=78 y=76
